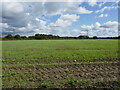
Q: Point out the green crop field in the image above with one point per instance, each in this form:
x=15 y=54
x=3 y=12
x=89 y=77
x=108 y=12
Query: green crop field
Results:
x=60 y=63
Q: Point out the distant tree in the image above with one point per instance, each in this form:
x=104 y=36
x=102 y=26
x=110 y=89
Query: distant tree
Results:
x=80 y=37
x=50 y=36
x=118 y=37
x=9 y=36
x=95 y=37
x=31 y=37
x=74 y=37
x=83 y=37
x=37 y=36
x=23 y=37
x=86 y=37
x=17 y=37
x=0 y=38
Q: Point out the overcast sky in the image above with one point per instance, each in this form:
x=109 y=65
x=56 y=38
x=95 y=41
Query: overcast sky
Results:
x=60 y=18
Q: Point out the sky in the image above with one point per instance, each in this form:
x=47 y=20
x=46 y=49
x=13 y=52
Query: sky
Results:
x=59 y=18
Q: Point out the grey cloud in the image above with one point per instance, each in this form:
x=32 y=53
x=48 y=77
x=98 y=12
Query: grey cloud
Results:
x=18 y=14
x=14 y=14
x=109 y=28
x=104 y=26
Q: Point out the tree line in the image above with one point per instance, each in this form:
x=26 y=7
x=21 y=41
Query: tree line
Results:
x=47 y=37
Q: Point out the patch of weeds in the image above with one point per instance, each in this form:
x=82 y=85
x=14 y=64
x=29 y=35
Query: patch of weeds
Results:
x=72 y=82
x=115 y=84
x=64 y=76
x=44 y=86
x=31 y=80
x=99 y=84
x=12 y=73
x=76 y=82
x=83 y=82
x=9 y=74
x=39 y=79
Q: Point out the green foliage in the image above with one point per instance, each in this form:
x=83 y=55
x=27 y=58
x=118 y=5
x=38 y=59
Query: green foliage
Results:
x=83 y=37
x=43 y=36
x=23 y=37
x=95 y=37
x=72 y=82
x=17 y=37
x=100 y=84
x=47 y=37
x=9 y=36
x=45 y=86
x=77 y=82
x=83 y=82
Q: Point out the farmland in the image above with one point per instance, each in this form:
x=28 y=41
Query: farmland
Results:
x=60 y=63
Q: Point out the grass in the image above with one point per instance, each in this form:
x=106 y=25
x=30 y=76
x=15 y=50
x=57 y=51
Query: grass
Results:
x=52 y=63
x=52 y=50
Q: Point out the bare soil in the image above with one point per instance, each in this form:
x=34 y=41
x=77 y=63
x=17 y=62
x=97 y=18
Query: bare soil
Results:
x=62 y=76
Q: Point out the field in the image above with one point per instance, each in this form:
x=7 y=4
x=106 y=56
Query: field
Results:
x=60 y=63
